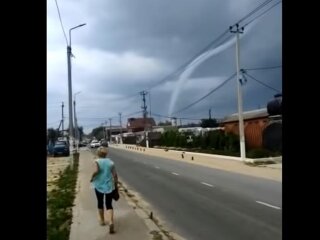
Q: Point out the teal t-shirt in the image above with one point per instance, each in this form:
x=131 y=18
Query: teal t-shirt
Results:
x=104 y=181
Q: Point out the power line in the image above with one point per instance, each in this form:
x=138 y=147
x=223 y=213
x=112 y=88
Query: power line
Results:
x=130 y=114
x=90 y=125
x=65 y=36
x=127 y=97
x=261 y=14
x=113 y=117
x=254 y=11
x=92 y=118
x=163 y=116
x=209 y=93
x=53 y=122
x=262 y=68
x=94 y=106
x=198 y=57
x=262 y=83
x=183 y=66
x=127 y=115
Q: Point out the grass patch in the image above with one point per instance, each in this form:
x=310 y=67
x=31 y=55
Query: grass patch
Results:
x=200 y=150
x=262 y=163
x=261 y=153
x=156 y=235
x=59 y=204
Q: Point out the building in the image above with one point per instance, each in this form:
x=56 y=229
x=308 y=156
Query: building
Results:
x=174 y=121
x=262 y=127
x=140 y=124
x=254 y=123
x=272 y=134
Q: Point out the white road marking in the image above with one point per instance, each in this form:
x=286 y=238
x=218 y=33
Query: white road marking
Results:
x=157 y=167
x=175 y=173
x=269 y=205
x=207 y=184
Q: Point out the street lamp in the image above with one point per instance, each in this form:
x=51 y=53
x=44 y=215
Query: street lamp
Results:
x=74 y=95
x=69 y=53
x=81 y=25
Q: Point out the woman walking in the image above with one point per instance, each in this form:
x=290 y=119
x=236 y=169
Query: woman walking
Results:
x=104 y=180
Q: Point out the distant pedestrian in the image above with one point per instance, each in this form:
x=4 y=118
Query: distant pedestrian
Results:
x=104 y=180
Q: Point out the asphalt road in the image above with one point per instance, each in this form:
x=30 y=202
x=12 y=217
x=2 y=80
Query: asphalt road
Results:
x=204 y=203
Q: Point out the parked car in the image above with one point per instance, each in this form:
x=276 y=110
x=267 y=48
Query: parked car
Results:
x=61 y=148
x=94 y=144
x=82 y=144
x=49 y=150
x=103 y=143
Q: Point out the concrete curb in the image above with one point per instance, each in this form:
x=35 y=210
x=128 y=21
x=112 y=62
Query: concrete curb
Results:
x=142 y=209
x=270 y=159
x=194 y=154
x=75 y=208
x=250 y=167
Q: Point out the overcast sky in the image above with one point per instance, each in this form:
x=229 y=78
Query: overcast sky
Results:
x=130 y=45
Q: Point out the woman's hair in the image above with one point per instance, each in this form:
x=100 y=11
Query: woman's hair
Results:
x=102 y=152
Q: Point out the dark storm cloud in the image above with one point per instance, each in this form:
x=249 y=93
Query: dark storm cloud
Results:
x=129 y=45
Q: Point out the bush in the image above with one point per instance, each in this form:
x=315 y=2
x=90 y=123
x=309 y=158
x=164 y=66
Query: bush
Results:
x=216 y=140
x=259 y=153
x=59 y=204
x=232 y=142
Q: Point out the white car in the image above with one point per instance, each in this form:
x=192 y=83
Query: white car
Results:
x=94 y=144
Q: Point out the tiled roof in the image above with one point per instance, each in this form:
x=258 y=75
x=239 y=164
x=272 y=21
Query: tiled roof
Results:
x=140 y=122
x=258 y=113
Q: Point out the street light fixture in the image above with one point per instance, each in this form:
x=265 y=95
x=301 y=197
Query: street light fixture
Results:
x=81 y=25
x=69 y=53
x=74 y=95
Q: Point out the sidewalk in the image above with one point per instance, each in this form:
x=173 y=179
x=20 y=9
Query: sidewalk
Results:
x=85 y=225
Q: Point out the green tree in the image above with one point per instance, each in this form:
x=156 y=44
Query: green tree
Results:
x=182 y=141
x=166 y=123
x=216 y=139
x=52 y=135
x=232 y=142
x=209 y=123
x=98 y=132
x=170 y=138
x=204 y=141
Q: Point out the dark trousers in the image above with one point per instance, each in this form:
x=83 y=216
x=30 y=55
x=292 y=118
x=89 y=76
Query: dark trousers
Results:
x=108 y=199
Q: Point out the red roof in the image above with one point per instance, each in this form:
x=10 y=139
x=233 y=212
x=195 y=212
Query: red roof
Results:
x=135 y=123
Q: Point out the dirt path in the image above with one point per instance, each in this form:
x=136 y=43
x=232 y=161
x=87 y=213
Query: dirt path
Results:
x=54 y=167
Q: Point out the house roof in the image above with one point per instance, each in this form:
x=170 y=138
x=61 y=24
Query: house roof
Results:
x=140 y=122
x=257 y=113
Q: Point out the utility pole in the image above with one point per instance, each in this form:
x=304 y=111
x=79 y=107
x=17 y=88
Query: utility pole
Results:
x=104 y=130
x=120 y=128
x=144 y=107
x=110 y=130
x=62 y=106
x=240 y=110
x=75 y=125
x=69 y=54
x=210 y=113
x=150 y=103
x=70 y=96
